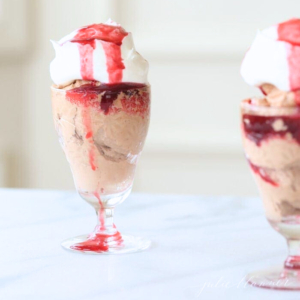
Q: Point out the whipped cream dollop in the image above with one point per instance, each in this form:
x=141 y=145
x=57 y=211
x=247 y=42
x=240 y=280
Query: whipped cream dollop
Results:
x=102 y=52
x=274 y=57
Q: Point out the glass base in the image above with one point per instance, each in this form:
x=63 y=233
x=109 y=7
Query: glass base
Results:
x=275 y=278
x=129 y=244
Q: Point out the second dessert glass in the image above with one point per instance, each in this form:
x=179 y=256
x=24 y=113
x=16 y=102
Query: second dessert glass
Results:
x=102 y=130
x=271 y=139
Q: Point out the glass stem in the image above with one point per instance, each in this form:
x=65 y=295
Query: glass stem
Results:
x=105 y=224
x=293 y=259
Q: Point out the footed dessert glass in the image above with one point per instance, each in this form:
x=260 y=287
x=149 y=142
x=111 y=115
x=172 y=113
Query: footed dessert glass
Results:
x=271 y=139
x=102 y=129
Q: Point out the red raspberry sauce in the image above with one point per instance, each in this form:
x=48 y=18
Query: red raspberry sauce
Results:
x=263 y=175
x=259 y=128
x=87 y=95
x=289 y=32
x=111 y=39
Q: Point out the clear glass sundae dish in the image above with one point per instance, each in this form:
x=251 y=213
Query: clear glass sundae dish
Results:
x=101 y=110
x=271 y=137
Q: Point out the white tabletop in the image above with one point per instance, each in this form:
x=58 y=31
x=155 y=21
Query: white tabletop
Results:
x=202 y=248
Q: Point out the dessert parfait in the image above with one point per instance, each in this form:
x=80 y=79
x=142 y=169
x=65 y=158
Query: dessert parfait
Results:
x=271 y=138
x=101 y=110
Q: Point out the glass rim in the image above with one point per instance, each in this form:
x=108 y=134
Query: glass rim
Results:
x=269 y=110
x=54 y=88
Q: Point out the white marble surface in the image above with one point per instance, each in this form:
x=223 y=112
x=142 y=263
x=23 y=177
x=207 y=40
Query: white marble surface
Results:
x=200 y=245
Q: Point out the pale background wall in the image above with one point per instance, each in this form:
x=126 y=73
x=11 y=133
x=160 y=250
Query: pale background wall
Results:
x=194 y=48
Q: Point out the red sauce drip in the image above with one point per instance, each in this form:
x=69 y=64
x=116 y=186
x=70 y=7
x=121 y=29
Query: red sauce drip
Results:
x=92 y=159
x=259 y=128
x=86 y=120
x=101 y=212
x=111 y=39
x=294 y=67
x=262 y=90
x=261 y=172
x=290 y=32
x=114 y=62
x=86 y=51
x=292 y=263
x=87 y=95
x=98 y=242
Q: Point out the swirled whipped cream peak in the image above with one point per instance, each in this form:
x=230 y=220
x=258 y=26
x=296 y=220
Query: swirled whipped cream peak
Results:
x=273 y=64
x=100 y=52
